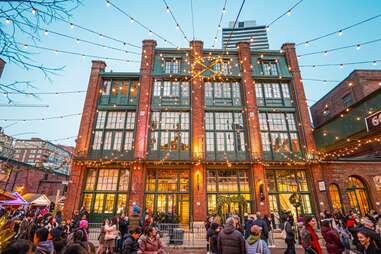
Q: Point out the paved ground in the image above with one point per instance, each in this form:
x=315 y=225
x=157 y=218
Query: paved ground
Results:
x=273 y=251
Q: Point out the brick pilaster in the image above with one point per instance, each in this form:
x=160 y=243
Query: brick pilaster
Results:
x=2 y=65
x=305 y=128
x=253 y=130
x=89 y=109
x=137 y=186
x=198 y=138
x=143 y=113
x=73 y=194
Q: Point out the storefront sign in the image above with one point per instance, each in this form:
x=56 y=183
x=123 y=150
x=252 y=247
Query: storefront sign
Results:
x=377 y=182
x=373 y=122
x=321 y=186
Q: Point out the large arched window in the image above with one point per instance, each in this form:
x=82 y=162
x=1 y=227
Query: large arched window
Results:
x=358 y=195
x=334 y=194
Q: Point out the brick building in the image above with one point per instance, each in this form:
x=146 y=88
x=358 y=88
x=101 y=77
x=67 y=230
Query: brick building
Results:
x=25 y=178
x=352 y=168
x=196 y=132
x=42 y=153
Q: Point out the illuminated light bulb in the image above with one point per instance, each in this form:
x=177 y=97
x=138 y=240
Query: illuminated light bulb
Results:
x=219 y=27
x=306 y=44
x=341 y=66
x=177 y=26
x=167 y=9
x=101 y=36
x=132 y=20
x=374 y=63
x=25 y=46
x=150 y=32
x=46 y=32
x=325 y=82
x=314 y=67
x=108 y=3
x=358 y=47
x=289 y=13
x=267 y=28
x=71 y=25
x=350 y=84
x=340 y=33
x=251 y=39
x=224 y=10
x=78 y=41
x=56 y=52
x=7 y=21
x=34 y=11
x=325 y=53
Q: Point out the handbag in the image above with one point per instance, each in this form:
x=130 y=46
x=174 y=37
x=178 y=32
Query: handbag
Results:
x=283 y=234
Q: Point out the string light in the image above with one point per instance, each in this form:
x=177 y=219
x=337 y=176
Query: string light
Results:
x=78 y=39
x=340 y=31
x=139 y=23
x=39 y=119
x=288 y=13
x=48 y=93
x=219 y=27
x=34 y=11
x=178 y=27
x=72 y=25
x=79 y=54
x=341 y=64
x=7 y=21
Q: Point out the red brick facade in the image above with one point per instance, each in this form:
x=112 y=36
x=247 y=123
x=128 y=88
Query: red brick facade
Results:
x=197 y=165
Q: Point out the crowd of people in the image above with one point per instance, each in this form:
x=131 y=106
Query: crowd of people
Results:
x=44 y=231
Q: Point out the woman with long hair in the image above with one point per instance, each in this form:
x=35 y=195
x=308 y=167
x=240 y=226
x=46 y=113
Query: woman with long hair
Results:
x=150 y=242
x=111 y=234
x=310 y=239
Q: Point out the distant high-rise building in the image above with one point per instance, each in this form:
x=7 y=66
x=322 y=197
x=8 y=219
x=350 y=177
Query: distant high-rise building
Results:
x=245 y=31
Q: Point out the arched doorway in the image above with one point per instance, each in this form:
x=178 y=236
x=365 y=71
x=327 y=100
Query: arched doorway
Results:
x=358 y=195
x=334 y=194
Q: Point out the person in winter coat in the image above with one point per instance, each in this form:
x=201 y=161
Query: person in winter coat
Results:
x=150 y=243
x=254 y=243
x=134 y=220
x=369 y=247
x=212 y=236
x=262 y=223
x=332 y=238
x=44 y=246
x=59 y=242
x=26 y=228
x=290 y=235
x=111 y=234
x=19 y=246
x=310 y=239
x=131 y=245
x=230 y=240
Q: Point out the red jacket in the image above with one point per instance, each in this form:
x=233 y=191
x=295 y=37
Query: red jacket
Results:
x=332 y=240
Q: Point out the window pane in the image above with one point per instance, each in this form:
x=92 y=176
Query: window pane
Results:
x=154 y=140
x=229 y=141
x=208 y=90
x=167 y=181
x=258 y=90
x=107 y=179
x=124 y=88
x=263 y=122
x=130 y=120
x=98 y=204
x=220 y=139
x=211 y=180
x=121 y=206
x=210 y=142
x=280 y=142
x=157 y=88
x=291 y=122
x=108 y=139
x=185 y=89
x=184 y=145
x=150 y=180
x=115 y=88
x=101 y=119
x=277 y=121
x=270 y=176
x=97 y=143
x=106 y=87
x=87 y=198
x=295 y=143
x=118 y=141
x=149 y=204
x=90 y=180
x=286 y=181
x=124 y=180
x=285 y=91
x=109 y=204
x=243 y=181
x=276 y=90
x=134 y=88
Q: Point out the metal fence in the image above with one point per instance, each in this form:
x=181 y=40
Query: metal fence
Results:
x=172 y=235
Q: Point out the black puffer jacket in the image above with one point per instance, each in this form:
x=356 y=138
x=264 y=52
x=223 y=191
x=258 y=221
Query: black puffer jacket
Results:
x=230 y=241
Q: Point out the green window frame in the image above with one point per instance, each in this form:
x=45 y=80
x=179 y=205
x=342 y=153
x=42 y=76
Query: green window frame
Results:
x=223 y=94
x=106 y=192
x=170 y=135
x=114 y=131
x=227 y=183
x=269 y=67
x=273 y=94
x=225 y=135
x=279 y=135
x=167 y=93
x=282 y=183
x=119 y=92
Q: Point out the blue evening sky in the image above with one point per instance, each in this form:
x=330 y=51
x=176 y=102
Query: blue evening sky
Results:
x=311 y=18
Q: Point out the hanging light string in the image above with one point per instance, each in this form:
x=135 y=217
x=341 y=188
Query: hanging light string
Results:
x=102 y=35
x=76 y=53
x=288 y=13
x=133 y=20
x=338 y=32
x=234 y=25
x=60 y=139
x=192 y=14
x=48 y=93
x=319 y=80
x=356 y=46
x=219 y=28
x=76 y=39
x=341 y=65
x=178 y=27
x=39 y=119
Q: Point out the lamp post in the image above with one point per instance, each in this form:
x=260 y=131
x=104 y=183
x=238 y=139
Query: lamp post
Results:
x=296 y=201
